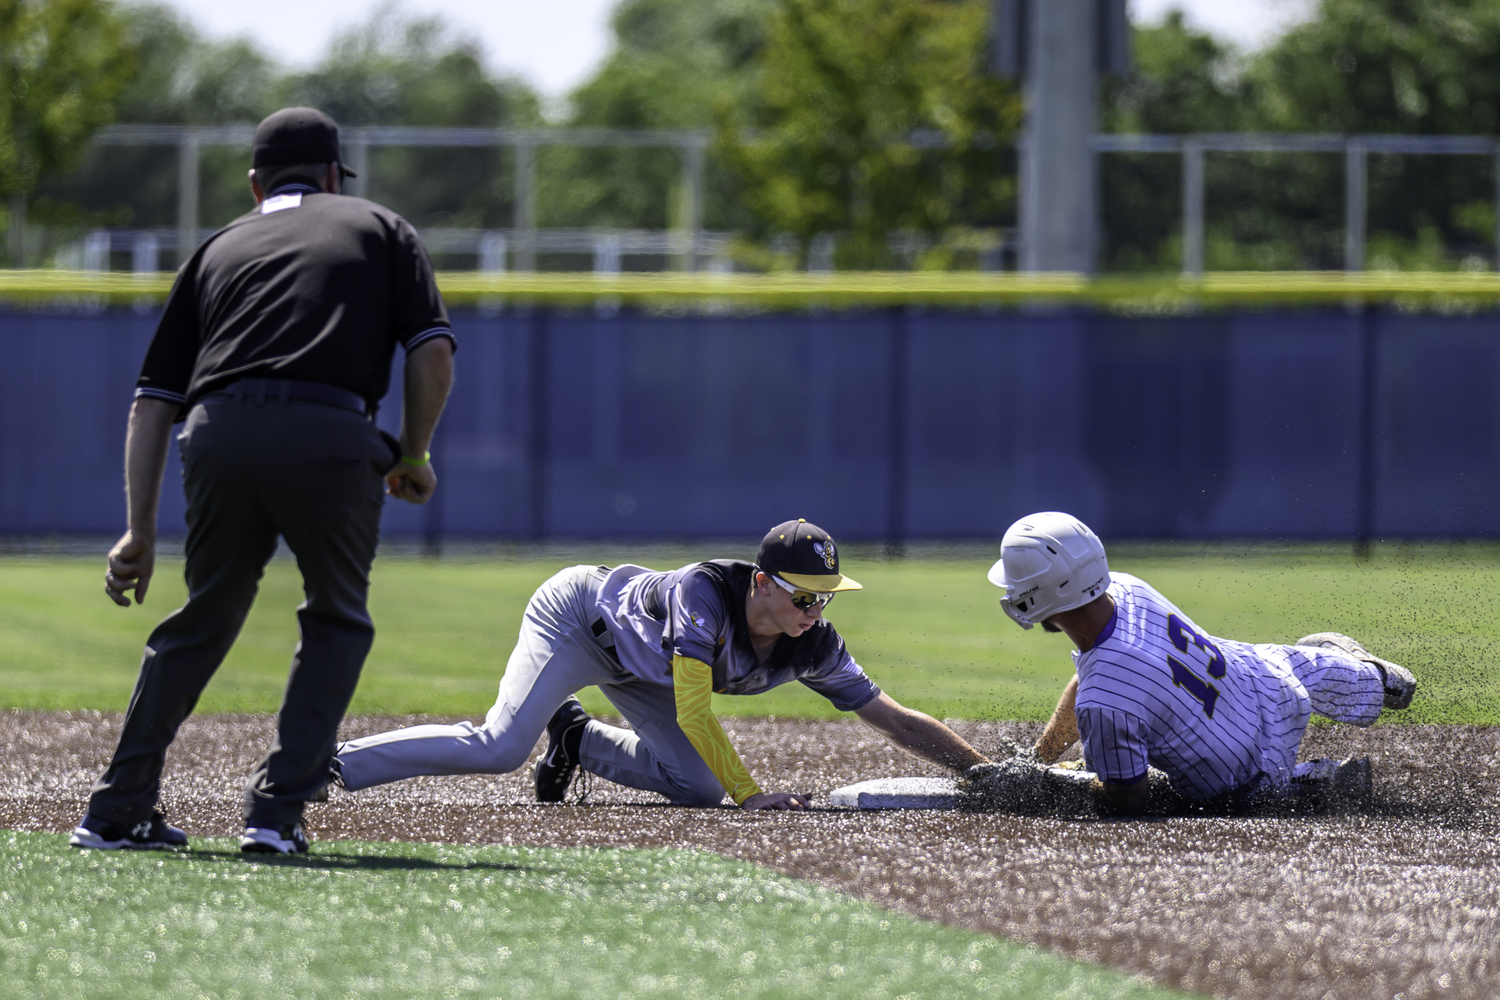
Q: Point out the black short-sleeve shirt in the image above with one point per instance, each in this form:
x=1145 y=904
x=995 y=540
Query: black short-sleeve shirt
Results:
x=310 y=286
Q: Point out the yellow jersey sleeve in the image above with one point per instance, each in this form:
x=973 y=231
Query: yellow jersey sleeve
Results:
x=693 y=687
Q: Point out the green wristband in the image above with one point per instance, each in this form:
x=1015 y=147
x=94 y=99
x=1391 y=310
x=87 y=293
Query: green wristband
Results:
x=426 y=457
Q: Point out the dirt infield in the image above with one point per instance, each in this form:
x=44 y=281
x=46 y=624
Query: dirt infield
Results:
x=1401 y=900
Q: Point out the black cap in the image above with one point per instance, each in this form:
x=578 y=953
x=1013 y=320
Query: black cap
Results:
x=803 y=555
x=297 y=135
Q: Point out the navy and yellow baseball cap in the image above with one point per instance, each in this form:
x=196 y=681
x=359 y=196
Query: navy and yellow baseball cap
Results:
x=803 y=555
x=297 y=135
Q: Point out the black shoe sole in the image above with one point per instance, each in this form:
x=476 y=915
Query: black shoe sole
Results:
x=128 y=845
x=96 y=841
x=249 y=845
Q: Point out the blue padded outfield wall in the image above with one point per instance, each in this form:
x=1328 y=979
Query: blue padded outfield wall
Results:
x=877 y=425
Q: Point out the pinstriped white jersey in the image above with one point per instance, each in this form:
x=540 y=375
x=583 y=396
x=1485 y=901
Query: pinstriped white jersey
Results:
x=1211 y=713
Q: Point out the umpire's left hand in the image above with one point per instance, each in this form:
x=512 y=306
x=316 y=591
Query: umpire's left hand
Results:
x=131 y=563
x=412 y=483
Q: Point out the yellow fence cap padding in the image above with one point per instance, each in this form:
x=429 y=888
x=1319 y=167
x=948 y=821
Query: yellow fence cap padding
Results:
x=856 y=289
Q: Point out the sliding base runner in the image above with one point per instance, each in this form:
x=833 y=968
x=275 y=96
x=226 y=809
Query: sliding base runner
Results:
x=1223 y=720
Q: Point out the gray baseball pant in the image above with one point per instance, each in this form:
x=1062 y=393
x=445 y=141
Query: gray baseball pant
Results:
x=560 y=650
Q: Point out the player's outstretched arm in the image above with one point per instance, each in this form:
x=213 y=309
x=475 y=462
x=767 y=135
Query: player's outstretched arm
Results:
x=1062 y=729
x=918 y=734
x=133 y=558
x=692 y=687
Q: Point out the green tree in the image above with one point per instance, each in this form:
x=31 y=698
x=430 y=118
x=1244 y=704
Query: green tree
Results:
x=397 y=69
x=1181 y=81
x=672 y=63
x=182 y=77
x=847 y=89
x=1412 y=66
x=1356 y=66
x=62 y=63
x=1425 y=66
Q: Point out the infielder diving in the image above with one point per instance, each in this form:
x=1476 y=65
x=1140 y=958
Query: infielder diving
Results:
x=659 y=645
x=1222 y=719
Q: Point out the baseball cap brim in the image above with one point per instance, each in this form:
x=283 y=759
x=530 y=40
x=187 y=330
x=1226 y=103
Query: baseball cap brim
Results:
x=829 y=584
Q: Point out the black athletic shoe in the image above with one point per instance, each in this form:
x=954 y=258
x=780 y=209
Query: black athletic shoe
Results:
x=154 y=834
x=274 y=840
x=1341 y=785
x=554 y=771
x=1400 y=685
x=1353 y=782
x=1327 y=785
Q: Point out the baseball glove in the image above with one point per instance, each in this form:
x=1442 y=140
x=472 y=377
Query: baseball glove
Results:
x=1026 y=788
x=1009 y=749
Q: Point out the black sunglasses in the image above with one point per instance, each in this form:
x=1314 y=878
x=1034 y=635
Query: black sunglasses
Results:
x=802 y=600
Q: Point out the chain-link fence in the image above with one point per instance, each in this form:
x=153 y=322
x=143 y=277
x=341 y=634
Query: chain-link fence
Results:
x=586 y=200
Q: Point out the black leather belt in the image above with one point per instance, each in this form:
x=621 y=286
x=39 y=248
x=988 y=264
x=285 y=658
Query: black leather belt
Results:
x=261 y=391
x=605 y=639
x=602 y=635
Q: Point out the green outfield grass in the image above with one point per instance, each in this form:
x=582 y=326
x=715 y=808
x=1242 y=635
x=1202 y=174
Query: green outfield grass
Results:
x=363 y=921
x=928 y=629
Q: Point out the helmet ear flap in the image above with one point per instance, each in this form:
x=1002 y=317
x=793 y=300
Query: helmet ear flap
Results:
x=1014 y=614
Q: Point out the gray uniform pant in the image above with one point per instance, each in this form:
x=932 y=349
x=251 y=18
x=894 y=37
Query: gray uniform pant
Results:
x=558 y=653
x=253 y=470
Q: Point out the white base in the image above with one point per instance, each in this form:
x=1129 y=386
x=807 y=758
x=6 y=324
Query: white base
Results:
x=898 y=793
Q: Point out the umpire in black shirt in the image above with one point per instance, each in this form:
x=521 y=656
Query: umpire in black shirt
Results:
x=274 y=347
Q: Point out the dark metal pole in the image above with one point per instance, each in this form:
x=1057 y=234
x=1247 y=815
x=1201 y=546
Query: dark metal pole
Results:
x=1497 y=206
x=537 y=379
x=1364 y=501
x=1356 y=209
x=1192 y=207
x=895 y=529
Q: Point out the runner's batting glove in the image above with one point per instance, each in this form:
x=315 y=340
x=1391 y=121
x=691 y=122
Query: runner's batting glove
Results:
x=1009 y=749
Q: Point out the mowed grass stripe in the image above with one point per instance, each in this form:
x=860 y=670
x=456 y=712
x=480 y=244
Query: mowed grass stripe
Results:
x=358 y=920
x=927 y=630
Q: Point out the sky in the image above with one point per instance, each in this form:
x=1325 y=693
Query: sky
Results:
x=556 y=44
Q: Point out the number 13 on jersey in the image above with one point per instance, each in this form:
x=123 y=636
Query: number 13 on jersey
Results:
x=1183 y=675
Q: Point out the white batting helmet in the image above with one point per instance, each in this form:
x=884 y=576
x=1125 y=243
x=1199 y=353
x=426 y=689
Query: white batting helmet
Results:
x=1049 y=562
